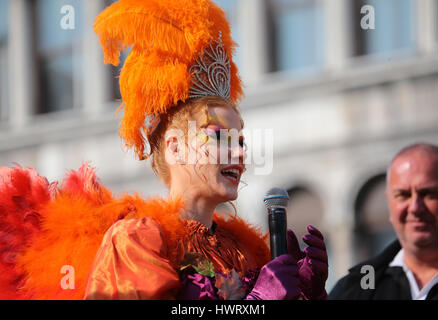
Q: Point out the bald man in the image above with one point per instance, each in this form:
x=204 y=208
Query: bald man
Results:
x=408 y=268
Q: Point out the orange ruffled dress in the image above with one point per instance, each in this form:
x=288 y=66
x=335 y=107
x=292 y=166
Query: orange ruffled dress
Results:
x=135 y=261
x=119 y=248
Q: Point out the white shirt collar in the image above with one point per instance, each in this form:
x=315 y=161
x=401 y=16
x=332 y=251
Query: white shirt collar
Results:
x=416 y=294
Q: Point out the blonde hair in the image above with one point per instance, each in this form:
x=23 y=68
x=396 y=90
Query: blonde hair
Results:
x=178 y=118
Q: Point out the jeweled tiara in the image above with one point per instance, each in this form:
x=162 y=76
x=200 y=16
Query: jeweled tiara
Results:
x=211 y=72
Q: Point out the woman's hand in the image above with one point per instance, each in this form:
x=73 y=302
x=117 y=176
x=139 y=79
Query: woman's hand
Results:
x=278 y=280
x=312 y=263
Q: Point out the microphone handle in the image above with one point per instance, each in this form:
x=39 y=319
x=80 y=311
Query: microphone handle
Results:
x=277 y=232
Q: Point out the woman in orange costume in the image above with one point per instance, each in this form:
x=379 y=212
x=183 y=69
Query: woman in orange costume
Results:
x=180 y=69
x=139 y=258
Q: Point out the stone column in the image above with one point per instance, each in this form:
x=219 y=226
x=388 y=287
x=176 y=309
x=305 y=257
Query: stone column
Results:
x=253 y=44
x=21 y=66
x=426 y=25
x=338 y=24
x=339 y=220
x=96 y=81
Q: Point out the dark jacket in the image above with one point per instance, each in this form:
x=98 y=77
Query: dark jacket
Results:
x=391 y=283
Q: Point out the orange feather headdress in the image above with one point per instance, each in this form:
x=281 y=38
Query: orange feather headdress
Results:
x=168 y=38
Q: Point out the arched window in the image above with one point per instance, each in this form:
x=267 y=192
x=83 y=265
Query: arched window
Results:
x=304 y=208
x=373 y=231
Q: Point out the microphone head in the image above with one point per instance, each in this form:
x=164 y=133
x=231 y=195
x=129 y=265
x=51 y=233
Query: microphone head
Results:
x=276 y=198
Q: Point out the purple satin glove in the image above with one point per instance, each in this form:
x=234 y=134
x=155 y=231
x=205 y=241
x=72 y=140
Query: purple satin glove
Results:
x=278 y=280
x=312 y=263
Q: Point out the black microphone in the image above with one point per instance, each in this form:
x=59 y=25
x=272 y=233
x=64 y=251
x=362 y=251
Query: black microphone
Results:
x=276 y=200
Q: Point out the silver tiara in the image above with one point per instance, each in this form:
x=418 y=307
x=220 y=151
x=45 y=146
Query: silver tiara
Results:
x=211 y=72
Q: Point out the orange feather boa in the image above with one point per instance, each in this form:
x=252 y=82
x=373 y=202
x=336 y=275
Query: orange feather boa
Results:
x=73 y=224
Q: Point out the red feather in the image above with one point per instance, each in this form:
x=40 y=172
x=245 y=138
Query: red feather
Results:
x=22 y=194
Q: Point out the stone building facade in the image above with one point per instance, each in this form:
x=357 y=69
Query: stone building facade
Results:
x=337 y=100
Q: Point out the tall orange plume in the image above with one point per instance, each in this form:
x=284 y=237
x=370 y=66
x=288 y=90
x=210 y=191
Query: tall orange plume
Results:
x=166 y=36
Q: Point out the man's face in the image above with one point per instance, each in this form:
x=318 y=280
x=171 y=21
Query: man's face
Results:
x=412 y=194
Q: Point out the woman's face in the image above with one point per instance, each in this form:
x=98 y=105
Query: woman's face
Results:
x=214 y=155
